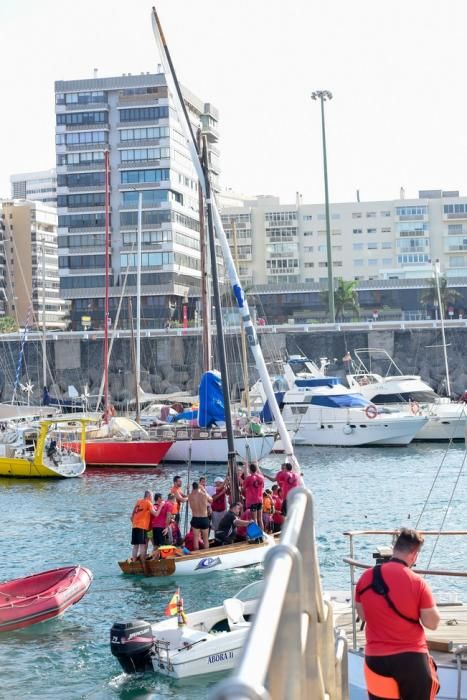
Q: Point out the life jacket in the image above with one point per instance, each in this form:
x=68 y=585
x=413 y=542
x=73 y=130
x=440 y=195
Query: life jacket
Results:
x=379 y=586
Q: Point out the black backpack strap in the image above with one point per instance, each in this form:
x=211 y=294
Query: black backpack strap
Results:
x=380 y=587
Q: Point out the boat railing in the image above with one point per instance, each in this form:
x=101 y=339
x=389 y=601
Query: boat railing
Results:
x=356 y=564
x=291 y=650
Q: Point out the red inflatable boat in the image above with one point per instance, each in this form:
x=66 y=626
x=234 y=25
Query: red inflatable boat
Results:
x=32 y=599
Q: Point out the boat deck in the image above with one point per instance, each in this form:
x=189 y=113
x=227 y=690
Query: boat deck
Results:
x=452 y=630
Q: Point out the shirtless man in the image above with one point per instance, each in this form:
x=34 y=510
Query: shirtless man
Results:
x=199 y=500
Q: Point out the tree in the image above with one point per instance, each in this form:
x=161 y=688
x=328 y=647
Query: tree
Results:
x=8 y=325
x=449 y=296
x=345 y=297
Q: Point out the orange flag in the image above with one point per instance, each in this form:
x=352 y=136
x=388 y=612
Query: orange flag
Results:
x=172 y=607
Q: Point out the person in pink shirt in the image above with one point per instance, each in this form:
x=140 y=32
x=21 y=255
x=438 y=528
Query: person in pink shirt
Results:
x=289 y=481
x=253 y=488
x=160 y=522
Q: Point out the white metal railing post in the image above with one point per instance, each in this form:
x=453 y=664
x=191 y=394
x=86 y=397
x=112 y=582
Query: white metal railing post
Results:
x=299 y=656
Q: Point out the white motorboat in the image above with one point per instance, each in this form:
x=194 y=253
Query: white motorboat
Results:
x=203 y=561
x=210 y=640
x=446 y=418
x=321 y=411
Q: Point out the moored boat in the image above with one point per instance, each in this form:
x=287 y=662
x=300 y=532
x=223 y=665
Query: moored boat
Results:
x=209 y=641
x=221 y=558
x=39 y=597
x=30 y=451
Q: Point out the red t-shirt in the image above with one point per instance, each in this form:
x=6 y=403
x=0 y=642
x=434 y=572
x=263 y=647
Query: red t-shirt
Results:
x=289 y=481
x=277 y=518
x=387 y=632
x=253 y=487
x=161 y=519
x=219 y=503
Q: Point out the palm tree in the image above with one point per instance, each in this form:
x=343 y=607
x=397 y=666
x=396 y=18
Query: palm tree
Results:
x=345 y=297
x=449 y=296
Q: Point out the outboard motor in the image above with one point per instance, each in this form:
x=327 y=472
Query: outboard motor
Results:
x=131 y=643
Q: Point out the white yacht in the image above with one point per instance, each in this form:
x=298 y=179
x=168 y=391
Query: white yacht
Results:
x=446 y=418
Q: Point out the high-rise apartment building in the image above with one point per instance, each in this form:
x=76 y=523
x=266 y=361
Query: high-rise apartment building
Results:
x=31 y=264
x=389 y=239
x=40 y=186
x=131 y=117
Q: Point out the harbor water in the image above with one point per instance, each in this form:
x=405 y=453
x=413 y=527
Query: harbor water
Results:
x=47 y=523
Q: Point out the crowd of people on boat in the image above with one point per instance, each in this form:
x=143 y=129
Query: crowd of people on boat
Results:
x=216 y=517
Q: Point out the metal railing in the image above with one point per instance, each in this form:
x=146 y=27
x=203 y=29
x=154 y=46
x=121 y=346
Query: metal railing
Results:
x=291 y=650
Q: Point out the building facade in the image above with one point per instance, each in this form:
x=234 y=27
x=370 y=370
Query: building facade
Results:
x=131 y=117
x=390 y=239
x=40 y=186
x=32 y=294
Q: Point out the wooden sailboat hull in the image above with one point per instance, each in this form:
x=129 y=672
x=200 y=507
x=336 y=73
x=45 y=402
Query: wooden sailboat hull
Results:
x=125 y=453
x=232 y=556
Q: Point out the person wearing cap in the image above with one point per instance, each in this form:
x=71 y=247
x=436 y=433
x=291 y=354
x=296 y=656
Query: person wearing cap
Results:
x=219 y=502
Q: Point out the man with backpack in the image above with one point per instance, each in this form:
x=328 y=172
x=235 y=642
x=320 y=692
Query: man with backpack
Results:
x=395 y=603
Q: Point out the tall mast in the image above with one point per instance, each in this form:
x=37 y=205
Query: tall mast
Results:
x=242 y=303
x=246 y=379
x=205 y=295
x=232 y=466
x=138 y=299
x=106 y=303
x=443 y=335
x=44 y=332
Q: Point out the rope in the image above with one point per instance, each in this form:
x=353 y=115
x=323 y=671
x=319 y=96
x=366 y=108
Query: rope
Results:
x=447 y=508
x=433 y=483
x=21 y=352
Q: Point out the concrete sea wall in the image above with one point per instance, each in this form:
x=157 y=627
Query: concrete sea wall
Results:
x=172 y=361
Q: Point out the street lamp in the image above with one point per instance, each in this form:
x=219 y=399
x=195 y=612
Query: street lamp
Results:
x=324 y=95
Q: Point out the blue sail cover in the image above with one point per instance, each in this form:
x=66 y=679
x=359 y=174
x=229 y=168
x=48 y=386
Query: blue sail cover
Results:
x=211 y=400
x=340 y=401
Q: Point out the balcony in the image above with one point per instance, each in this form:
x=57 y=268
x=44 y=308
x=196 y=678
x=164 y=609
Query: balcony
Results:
x=99 y=126
x=455 y=248
x=79 y=167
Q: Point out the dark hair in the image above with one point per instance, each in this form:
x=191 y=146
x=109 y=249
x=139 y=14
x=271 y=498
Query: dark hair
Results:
x=171 y=497
x=195 y=485
x=275 y=487
x=176 y=478
x=202 y=478
x=408 y=540
x=288 y=467
x=156 y=496
x=253 y=468
x=284 y=464
x=237 y=503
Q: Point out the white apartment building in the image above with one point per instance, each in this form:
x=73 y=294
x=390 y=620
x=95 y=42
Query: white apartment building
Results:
x=388 y=239
x=40 y=186
x=29 y=230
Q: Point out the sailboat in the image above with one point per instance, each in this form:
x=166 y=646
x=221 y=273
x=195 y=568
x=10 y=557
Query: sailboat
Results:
x=118 y=441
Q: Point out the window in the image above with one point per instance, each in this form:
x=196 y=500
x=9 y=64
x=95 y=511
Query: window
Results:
x=386 y=245
x=335 y=216
x=413 y=211
x=132 y=176
x=81 y=158
x=323 y=264
x=139 y=114
x=322 y=248
x=370 y=214
x=456 y=261
x=321 y=217
x=357 y=230
x=373 y=261
x=371 y=230
x=307 y=217
x=372 y=246
x=308 y=249
x=144 y=133
x=76 y=138
x=93 y=199
x=455 y=228
x=279 y=216
x=73 y=118
x=308 y=233
x=412 y=259
x=81 y=98
x=358 y=262
x=387 y=262
x=147 y=259
x=356 y=215
x=385 y=213
x=81 y=180
x=357 y=246
x=135 y=154
x=309 y=264
x=337 y=263
x=82 y=220
x=149 y=197
x=337 y=248
x=386 y=229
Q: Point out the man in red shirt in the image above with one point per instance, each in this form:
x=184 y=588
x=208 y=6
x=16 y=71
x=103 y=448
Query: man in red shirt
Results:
x=395 y=603
x=277 y=518
x=288 y=480
x=253 y=488
x=160 y=522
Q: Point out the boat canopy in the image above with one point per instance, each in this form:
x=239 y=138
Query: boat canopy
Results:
x=340 y=401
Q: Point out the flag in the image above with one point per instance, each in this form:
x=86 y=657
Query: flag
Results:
x=172 y=607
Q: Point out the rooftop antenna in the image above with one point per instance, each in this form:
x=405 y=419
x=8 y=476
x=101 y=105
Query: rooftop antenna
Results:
x=358 y=195
x=95 y=71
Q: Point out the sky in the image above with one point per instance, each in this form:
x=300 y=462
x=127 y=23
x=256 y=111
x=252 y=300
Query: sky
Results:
x=396 y=70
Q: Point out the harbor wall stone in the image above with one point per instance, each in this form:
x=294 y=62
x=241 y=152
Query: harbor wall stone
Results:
x=171 y=363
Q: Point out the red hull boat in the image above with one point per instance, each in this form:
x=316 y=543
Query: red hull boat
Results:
x=126 y=453
x=32 y=599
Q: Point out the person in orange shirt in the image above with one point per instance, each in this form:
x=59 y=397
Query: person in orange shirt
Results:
x=179 y=495
x=140 y=521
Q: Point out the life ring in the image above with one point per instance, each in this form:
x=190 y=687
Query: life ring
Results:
x=371 y=411
x=415 y=407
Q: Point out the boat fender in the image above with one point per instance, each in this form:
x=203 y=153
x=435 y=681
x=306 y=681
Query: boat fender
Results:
x=415 y=408
x=347 y=430
x=371 y=411
x=132 y=643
